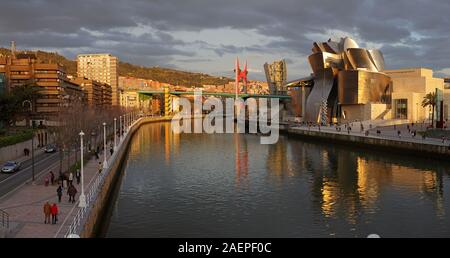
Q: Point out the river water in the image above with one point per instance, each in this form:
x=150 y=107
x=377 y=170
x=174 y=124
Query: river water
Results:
x=229 y=185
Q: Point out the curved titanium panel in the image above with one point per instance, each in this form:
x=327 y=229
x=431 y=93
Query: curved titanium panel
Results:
x=319 y=47
x=362 y=87
x=328 y=48
x=316 y=61
x=333 y=60
x=359 y=58
x=377 y=59
x=334 y=46
x=323 y=85
x=349 y=43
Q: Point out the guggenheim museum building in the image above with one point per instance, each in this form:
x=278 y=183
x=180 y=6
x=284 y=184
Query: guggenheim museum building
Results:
x=349 y=83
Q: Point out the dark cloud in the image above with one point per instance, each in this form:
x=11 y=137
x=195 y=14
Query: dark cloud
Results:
x=412 y=32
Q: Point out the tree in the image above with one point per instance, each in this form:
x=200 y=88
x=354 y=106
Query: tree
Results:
x=11 y=103
x=7 y=109
x=430 y=101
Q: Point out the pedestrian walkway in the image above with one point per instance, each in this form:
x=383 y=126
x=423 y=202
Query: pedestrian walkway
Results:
x=25 y=206
x=388 y=132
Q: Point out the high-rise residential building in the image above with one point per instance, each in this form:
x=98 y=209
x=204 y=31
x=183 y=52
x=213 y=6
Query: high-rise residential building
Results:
x=102 y=68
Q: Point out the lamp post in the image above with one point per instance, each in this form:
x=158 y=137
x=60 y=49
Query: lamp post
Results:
x=128 y=122
x=125 y=123
x=105 y=165
x=82 y=203
x=120 y=128
x=32 y=140
x=115 y=133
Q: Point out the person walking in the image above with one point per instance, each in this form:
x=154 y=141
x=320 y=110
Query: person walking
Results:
x=47 y=212
x=100 y=167
x=54 y=211
x=72 y=191
x=78 y=176
x=70 y=178
x=111 y=150
x=61 y=179
x=59 y=192
x=52 y=177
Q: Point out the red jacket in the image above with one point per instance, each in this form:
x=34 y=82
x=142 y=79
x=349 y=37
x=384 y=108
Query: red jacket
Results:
x=54 y=209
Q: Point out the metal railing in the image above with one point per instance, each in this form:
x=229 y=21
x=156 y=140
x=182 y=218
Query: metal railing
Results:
x=93 y=191
x=4 y=222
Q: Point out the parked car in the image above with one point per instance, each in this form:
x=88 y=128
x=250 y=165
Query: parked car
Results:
x=10 y=167
x=50 y=148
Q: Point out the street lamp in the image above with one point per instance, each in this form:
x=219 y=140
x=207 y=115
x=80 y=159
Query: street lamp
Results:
x=120 y=128
x=105 y=165
x=32 y=139
x=115 y=133
x=82 y=203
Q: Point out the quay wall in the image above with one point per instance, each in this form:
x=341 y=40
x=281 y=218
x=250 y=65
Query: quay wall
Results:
x=99 y=206
x=390 y=145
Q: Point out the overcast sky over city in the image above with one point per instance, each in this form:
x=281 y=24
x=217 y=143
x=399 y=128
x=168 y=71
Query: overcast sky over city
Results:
x=207 y=35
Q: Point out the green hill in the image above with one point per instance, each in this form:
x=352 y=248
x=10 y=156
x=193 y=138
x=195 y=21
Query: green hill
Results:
x=174 y=77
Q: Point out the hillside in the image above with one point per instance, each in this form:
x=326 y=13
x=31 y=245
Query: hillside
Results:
x=166 y=75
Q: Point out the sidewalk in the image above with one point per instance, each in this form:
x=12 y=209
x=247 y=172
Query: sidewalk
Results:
x=388 y=133
x=25 y=206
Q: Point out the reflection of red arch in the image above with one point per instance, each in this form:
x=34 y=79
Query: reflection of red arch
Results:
x=241 y=160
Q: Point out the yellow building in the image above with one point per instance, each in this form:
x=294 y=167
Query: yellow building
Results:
x=409 y=87
x=129 y=99
x=132 y=99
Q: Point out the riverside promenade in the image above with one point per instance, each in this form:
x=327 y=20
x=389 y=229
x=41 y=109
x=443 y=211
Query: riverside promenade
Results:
x=383 y=137
x=25 y=204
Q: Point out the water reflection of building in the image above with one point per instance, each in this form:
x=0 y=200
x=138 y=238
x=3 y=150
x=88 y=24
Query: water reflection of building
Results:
x=278 y=162
x=356 y=184
x=241 y=158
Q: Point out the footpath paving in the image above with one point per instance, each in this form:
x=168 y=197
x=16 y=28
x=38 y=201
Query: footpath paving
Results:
x=25 y=205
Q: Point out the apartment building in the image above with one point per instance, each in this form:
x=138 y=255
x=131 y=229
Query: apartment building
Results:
x=56 y=90
x=102 y=68
x=98 y=94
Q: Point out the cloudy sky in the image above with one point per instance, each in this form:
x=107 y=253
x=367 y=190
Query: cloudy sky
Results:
x=206 y=36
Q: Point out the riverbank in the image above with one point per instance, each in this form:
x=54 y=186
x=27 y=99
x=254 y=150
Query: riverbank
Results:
x=24 y=205
x=407 y=145
x=87 y=222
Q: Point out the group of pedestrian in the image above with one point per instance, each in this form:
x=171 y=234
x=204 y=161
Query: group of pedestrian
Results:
x=50 y=210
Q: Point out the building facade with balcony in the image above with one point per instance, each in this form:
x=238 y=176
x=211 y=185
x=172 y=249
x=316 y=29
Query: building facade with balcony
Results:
x=55 y=88
x=97 y=94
